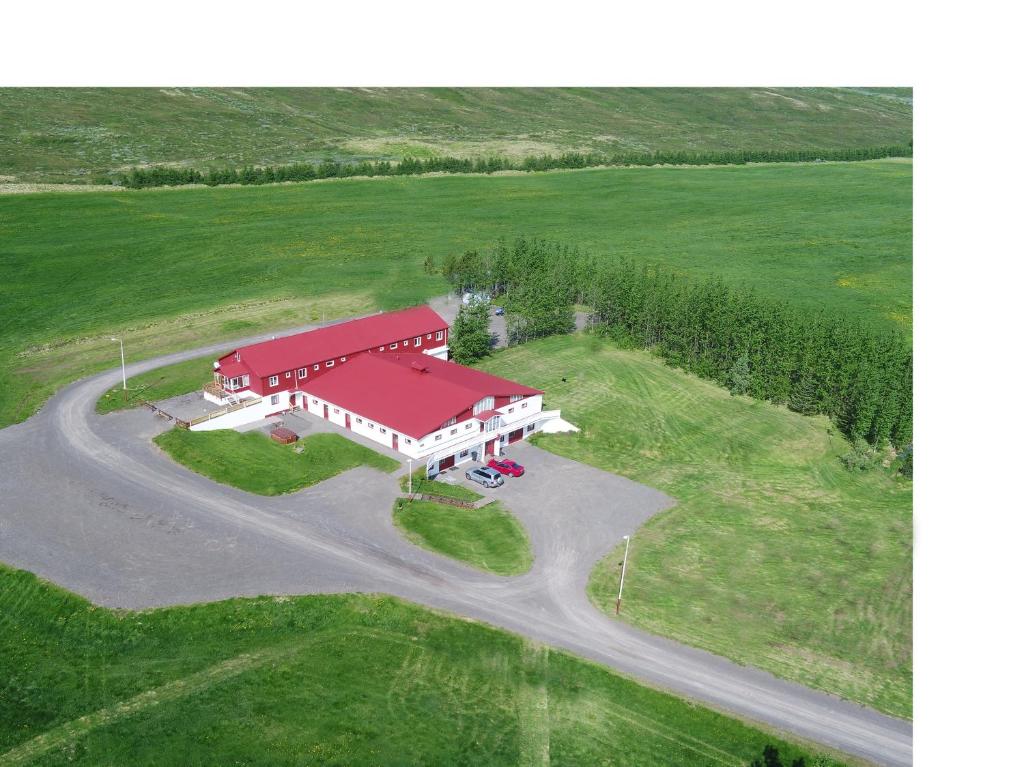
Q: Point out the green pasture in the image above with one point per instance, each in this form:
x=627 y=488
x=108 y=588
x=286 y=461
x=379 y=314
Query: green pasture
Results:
x=354 y=680
x=172 y=269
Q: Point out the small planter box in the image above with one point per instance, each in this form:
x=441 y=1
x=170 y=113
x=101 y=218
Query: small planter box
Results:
x=284 y=436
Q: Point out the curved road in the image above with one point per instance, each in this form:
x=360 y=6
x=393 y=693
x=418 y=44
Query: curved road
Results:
x=90 y=503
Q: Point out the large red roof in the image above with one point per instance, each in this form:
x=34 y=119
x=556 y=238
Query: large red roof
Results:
x=409 y=393
x=303 y=349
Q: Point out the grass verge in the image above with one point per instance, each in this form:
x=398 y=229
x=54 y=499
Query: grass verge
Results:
x=776 y=556
x=253 y=462
x=352 y=679
x=489 y=538
x=155 y=385
x=420 y=484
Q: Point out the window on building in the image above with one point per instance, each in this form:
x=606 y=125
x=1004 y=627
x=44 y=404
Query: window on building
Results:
x=275 y=398
x=405 y=343
x=330 y=363
x=492 y=423
x=336 y=411
x=437 y=437
x=515 y=398
x=288 y=375
x=245 y=380
x=383 y=430
x=302 y=372
x=440 y=335
x=418 y=341
x=370 y=424
x=381 y=349
x=344 y=358
x=273 y=381
x=469 y=425
x=316 y=402
x=523 y=406
x=316 y=366
x=408 y=441
x=530 y=427
x=359 y=420
x=449 y=422
x=464 y=454
x=487 y=403
x=454 y=431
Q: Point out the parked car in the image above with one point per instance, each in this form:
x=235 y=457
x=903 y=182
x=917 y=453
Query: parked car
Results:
x=500 y=311
x=485 y=476
x=507 y=467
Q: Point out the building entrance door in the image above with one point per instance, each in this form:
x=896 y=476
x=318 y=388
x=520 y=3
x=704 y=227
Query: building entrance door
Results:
x=394 y=441
x=326 y=417
x=305 y=402
x=348 y=421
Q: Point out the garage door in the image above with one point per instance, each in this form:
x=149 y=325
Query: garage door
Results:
x=446 y=463
x=515 y=436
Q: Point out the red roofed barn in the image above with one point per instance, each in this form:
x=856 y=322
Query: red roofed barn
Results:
x=387 y=378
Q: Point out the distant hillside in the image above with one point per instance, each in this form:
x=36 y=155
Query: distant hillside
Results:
x=69 y=135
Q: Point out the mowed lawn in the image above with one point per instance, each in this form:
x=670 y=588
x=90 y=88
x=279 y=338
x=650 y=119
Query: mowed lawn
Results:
x=489 y=538
x=354 y=680
x=173 y=268
x=252 y=461
x=776 y=556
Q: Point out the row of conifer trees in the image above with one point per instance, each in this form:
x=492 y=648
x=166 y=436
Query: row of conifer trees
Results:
x=162 y=175
x=860 y=375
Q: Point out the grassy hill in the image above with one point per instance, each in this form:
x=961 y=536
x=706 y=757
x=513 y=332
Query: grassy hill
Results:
x=355 y=680
x=168 y=269
x=63 y=134
x=776 y=556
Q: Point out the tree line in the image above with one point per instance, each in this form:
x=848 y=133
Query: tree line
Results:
x=162 y=175
x=859 y=375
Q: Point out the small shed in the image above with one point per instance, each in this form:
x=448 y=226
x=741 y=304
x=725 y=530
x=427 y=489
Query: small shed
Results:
x=284 y=436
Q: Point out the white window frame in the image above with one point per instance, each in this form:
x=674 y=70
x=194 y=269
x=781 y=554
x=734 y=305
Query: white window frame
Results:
x=418 y=341
x=515 y=398
x=449 y=422
x=272 y=381
x=288 y=374
x=394 y=345
x=329 y=363
x=405 y=342
x=316 y=366
x=381 y=349
x=275 y=398
x=342 y=359
x=337 y=411
x=487 y=403
x=303 y=373
x=439 y=336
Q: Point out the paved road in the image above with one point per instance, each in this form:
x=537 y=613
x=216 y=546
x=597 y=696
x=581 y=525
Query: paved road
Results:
x=90 y=503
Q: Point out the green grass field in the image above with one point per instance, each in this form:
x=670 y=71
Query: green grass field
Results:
x=354 y=680
x=253 y=462
x=61 y=134
x=170 y=269
x=776 y=556
x=488 y=538
x=155 y=385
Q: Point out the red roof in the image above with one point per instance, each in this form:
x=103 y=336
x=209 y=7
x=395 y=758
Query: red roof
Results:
x=303 y=349
x=407 y=392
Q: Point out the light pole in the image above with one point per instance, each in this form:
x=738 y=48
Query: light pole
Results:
x=124 y=378
x=622 y=579
x=409 y=460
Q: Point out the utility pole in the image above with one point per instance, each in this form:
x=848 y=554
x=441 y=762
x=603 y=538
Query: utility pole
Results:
x=124 y=378
x=622 y=579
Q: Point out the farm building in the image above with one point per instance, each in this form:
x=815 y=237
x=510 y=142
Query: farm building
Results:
x=387 y=379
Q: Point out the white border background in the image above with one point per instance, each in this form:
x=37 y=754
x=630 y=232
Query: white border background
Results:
x=967 y=249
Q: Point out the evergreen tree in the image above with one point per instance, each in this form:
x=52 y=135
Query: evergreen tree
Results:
x=739 y=375
x=470 y=338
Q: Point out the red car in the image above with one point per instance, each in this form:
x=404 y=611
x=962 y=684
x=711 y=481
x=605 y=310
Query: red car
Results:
x=507 y=467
